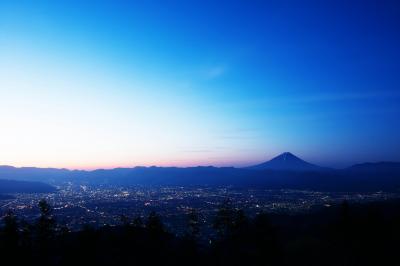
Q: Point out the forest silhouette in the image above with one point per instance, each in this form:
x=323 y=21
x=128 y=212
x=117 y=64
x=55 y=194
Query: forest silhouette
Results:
x=346 y=234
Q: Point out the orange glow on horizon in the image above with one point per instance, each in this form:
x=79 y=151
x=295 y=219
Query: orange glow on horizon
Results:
x=176 y=163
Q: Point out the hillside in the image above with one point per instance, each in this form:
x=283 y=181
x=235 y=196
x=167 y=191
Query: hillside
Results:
x=13 y=186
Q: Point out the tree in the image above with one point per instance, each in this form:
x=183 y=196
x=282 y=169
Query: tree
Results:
x=10 y=238
x=224 y=220
x=264 y=238
x=10 y=229
x=138 y=222
x=154 y=223
x=46 y=223
x=241 y=221
x=193 y=224
x=124 y=220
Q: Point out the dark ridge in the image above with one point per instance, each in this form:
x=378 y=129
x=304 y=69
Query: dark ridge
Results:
x=13 y=186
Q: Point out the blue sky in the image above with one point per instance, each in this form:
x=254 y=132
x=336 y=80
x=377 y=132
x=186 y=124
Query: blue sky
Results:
x=87 y=84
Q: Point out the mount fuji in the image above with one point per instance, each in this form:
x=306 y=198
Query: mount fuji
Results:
x=286 y=162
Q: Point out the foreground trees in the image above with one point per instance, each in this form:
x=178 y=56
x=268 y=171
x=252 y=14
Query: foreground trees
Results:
x=344 y=235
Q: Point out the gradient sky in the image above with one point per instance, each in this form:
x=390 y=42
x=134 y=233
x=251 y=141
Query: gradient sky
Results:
x=87 y=84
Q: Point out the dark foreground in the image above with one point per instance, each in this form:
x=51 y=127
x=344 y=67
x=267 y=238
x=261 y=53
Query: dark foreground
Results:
x=341 y=235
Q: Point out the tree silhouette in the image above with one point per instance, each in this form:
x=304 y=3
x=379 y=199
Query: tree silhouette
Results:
x=10 y=237
x=241 y=222
x=265 y=239
x=124 y=220
x=193 y=225
x=10 y=229
x=138 y=222
x=45 y=226
x=154 y=223
x=224 y=219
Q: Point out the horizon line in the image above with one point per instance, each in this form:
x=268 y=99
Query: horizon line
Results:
x=90 y=169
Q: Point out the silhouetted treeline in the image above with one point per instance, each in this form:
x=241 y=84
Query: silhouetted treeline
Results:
x=341 y=235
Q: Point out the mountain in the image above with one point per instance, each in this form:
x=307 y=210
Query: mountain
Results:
x=13 y=186
x=380 y=167
x=283 y=172
x=286 y=162
x=6 y=197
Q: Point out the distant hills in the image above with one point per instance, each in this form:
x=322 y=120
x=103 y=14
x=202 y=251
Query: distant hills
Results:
x=285 y=171
x=13 y=186
x=6 y=197
x=381 y=167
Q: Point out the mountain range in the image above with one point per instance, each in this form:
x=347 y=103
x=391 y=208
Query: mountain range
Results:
x=285 y=171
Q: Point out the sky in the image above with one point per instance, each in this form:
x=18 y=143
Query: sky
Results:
x=103 y=84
